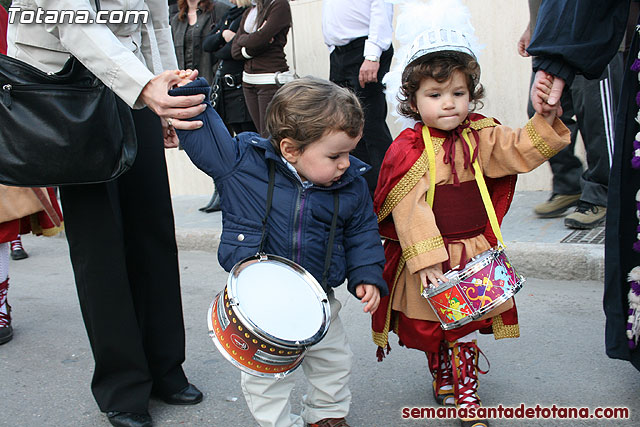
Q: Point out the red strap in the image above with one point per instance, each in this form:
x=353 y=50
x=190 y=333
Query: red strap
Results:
x=46 y=204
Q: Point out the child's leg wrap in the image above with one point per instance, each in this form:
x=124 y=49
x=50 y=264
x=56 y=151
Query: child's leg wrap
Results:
x=441 y=370
x=465 y=357
x=5 y=318
x=5 y=308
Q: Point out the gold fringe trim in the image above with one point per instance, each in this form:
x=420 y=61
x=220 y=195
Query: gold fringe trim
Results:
x=51 y=232
x=381 y=339
x=37 y=229
x=500 y=330
x=483 y=123
x=422 y=247
x=538 y=141
x=404 y=186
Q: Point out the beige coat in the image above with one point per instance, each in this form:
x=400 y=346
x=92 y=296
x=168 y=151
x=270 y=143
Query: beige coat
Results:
x=124 y=56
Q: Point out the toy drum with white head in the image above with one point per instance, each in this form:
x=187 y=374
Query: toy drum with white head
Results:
x=269 y=313
x=478 y=290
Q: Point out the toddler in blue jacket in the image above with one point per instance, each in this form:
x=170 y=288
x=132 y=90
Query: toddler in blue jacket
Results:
x=313 y=126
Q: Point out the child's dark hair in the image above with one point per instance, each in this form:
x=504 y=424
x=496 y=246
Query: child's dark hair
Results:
x=439 y=66
x=306 y=109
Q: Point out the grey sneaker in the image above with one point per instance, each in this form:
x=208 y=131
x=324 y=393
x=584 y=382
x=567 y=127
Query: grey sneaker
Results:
x=586 y=216
x=556 y=205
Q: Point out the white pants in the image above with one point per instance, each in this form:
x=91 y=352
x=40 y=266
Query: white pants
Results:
x=327 y=367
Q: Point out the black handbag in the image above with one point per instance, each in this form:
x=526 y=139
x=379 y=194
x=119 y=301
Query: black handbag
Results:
x=62 y=128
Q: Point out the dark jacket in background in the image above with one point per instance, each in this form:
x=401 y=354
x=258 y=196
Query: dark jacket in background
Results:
x=582 y=37
x=217 y=45
x=230 y=103
x=577 y=36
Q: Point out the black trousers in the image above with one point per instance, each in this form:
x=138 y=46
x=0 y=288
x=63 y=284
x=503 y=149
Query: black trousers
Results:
x=124 y=255
x=345 y=62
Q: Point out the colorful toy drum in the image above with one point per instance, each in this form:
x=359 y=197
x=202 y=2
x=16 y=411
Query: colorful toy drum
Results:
x=487 y=281
x=269 y=313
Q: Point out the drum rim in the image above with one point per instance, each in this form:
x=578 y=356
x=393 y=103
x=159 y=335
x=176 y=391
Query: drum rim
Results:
x=237 y=364
x=481 y=260
x=255 y=329
x=472 y=267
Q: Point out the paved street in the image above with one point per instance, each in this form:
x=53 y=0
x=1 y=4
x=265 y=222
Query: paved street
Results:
x=46 y=370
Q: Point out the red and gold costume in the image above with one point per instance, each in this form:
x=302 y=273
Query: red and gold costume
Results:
x=39 y=223
x=456 y=228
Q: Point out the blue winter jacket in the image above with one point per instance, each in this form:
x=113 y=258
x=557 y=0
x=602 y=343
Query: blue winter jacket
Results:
x=300 y=219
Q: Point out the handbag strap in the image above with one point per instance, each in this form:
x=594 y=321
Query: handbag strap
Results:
x=332 y=231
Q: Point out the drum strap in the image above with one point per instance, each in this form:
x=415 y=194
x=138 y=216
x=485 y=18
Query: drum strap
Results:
x=482 y=186
x=332 y=231
x=272 y=180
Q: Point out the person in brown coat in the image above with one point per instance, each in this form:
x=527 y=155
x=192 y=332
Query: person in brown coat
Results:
x=260 y=42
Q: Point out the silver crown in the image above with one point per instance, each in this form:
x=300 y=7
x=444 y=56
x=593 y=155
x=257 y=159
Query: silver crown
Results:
x=438 y=40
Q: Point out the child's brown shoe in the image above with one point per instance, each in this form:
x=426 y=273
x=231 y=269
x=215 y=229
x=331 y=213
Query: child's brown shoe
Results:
x=330 y=422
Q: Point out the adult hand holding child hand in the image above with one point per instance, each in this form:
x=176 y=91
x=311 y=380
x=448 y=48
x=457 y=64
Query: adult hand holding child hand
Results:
x=546 y=91
x=172 y=109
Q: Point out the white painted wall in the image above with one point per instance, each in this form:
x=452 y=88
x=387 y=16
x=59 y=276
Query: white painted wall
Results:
x=505 y=76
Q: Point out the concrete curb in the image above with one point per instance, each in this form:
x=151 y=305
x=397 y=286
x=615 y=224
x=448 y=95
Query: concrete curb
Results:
x=555 y=261
x=205 y=239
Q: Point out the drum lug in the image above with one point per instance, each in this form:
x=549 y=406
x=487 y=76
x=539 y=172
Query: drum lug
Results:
x=262 y=256
x=233 y=302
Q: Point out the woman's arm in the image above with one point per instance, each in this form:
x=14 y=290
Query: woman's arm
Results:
x=100 y=51
x=213 y=41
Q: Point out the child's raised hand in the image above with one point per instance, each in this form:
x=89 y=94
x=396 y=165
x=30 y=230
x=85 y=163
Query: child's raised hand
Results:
x=369 y=294
x=431 y=275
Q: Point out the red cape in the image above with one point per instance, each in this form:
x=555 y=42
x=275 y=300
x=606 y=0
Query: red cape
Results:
x=404 y=156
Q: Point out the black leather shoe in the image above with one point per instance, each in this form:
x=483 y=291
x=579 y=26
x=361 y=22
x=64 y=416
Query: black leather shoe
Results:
x=6 y=334
x=209 y=203
x=190 y=395
x=129 y=419
x=214 y=206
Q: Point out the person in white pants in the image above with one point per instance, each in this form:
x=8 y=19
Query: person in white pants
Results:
x=327 y=367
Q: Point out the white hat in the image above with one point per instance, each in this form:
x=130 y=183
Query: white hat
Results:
x=436 y=40
x=425 y=27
